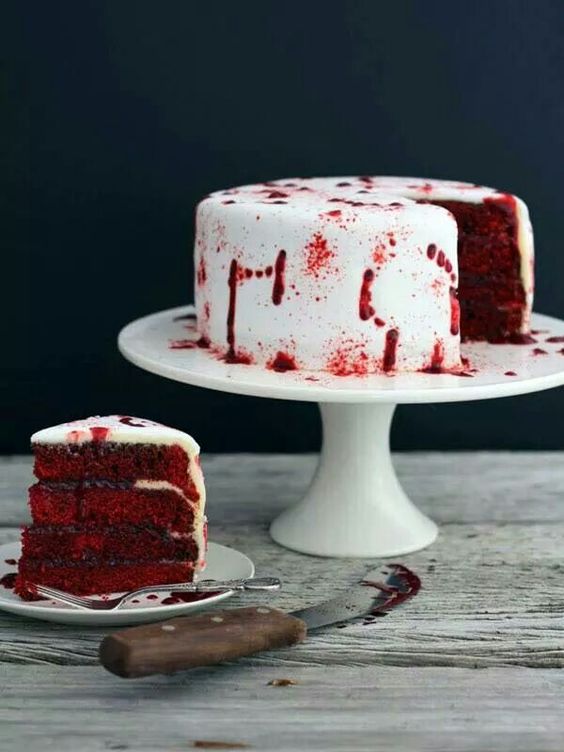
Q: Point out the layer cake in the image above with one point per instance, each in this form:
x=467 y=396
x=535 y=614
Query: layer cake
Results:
x=119 y=504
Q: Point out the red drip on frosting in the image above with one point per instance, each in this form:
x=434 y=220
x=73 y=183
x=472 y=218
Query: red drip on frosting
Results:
x=99 y=433
x=279 y=278
x=238 y=274
x=431 y=250
x=232 y=282
x=283 y=362
x=389 y=359
x=555 y=339
x=437 y=359
x=202 y=273
x=365 y=309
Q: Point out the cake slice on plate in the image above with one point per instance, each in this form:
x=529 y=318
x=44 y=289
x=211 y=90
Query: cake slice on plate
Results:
x=119 y=504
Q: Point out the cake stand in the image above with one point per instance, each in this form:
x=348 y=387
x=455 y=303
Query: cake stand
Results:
x=355 y=505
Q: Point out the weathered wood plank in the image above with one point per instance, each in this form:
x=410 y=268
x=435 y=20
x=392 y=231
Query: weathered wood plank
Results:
x=353 y=709
x=493 y=595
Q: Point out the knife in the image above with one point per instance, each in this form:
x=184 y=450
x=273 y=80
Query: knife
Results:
x=224 y=635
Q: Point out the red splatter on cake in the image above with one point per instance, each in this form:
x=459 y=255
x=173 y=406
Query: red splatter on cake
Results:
x=119 y=504
x=353 y=259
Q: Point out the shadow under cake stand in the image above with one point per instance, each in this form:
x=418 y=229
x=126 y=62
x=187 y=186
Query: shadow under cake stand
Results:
x=355 y=505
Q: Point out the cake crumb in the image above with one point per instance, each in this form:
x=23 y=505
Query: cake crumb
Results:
x=282 y=683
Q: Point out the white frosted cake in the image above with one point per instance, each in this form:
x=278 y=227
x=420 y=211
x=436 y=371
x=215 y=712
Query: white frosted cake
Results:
x=361 y=274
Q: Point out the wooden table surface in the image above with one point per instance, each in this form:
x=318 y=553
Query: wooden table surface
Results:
x=470 y=664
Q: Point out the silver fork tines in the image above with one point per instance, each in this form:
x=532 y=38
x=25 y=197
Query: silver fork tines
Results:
x=203 y=586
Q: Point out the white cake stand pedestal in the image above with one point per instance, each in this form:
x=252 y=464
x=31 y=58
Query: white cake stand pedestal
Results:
x=355 y=505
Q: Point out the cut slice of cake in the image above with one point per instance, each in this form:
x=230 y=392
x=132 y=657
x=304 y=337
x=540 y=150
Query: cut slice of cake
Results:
x=119 y=504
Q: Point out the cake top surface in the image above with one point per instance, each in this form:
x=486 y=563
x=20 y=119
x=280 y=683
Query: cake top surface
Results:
x=117 y=428
x=364 y=193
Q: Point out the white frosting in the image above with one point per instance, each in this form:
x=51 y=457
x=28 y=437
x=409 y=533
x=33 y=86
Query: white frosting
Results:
x=198 y=507
x=527 y=251
x=139 y=431
x=317 y=321
x=120 y=429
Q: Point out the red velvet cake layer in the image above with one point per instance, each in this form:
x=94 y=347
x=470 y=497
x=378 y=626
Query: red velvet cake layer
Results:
x=104 y=504
x=490 y=289
x=115 y=462
x=125 y=542
x=106 y=577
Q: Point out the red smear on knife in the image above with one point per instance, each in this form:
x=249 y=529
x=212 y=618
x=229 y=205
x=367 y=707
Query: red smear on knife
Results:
x=409 y=586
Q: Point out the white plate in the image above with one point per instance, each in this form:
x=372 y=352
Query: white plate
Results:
x=223 y=563
x=146 y=343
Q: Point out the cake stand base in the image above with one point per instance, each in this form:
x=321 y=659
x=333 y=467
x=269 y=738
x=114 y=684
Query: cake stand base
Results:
x=355 y=505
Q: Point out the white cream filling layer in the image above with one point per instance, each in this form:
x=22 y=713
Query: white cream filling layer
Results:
x=197 y=506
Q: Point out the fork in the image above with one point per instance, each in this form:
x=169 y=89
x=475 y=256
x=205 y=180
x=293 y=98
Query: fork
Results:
x=203 y=586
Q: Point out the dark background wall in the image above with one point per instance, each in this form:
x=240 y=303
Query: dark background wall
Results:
x=119 y=115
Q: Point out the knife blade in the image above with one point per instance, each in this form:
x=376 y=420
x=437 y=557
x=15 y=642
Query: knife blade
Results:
x=379 y=590
x=217 y=636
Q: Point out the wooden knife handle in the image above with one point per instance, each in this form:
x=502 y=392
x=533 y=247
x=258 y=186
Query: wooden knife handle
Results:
x=201 y=640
